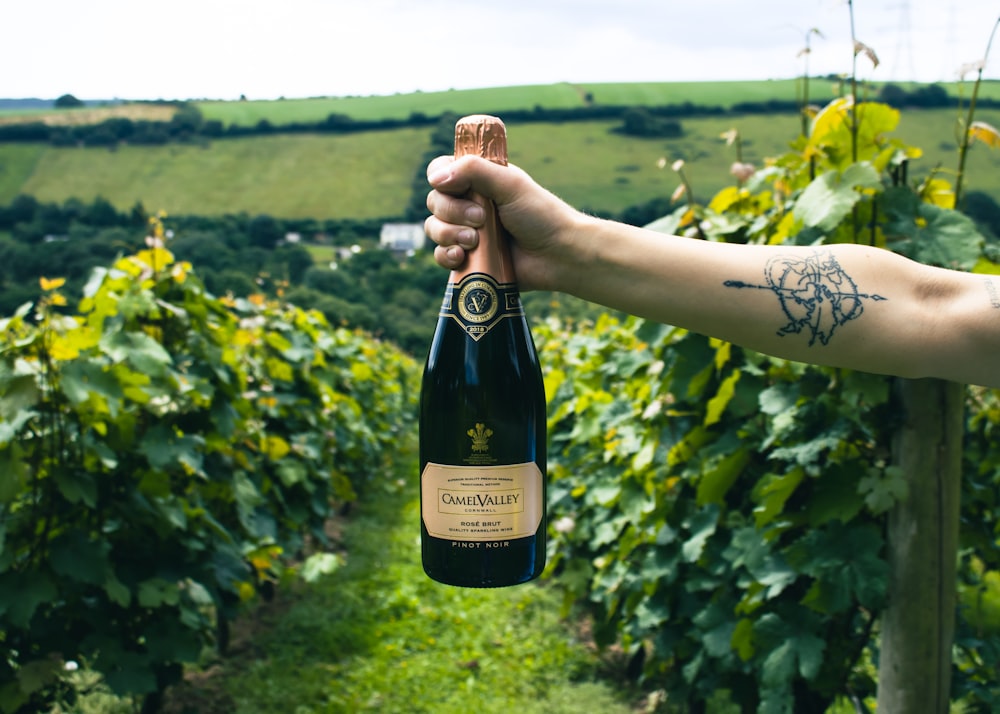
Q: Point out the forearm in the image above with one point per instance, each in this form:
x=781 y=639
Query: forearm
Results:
x=838 y=305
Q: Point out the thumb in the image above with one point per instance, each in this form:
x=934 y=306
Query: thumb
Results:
x=470 y=174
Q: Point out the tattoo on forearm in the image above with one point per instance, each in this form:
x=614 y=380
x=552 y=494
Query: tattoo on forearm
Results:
x=814 y=293
x=992 y=290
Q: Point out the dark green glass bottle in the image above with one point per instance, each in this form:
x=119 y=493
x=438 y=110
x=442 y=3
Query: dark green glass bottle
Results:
x=482 y=413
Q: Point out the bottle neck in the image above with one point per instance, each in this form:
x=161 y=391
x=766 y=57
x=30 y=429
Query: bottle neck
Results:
x=485 y=136
x=492 y=255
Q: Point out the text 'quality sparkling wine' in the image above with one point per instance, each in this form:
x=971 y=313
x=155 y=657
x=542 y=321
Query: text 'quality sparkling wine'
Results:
x=482 y=412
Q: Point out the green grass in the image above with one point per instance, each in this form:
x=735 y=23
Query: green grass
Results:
x=322 y=254
x=380 y=636
x=395 y=106
x=17 y=163
x=291 y=175
x=550 y=96
x=370 y=174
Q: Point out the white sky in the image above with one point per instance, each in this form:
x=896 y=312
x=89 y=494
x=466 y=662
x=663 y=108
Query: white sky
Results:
x=189 y=49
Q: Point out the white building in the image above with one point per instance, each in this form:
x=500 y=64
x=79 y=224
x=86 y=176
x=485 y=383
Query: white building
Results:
x=402 y=237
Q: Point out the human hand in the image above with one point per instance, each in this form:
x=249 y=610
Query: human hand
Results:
x=537 y=222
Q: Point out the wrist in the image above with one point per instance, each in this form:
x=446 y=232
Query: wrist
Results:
x=575 y=253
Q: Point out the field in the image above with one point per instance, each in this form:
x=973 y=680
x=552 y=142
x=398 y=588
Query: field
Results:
x=369 y=175
x=139 y=111
x=498 y=100
x=290 y=175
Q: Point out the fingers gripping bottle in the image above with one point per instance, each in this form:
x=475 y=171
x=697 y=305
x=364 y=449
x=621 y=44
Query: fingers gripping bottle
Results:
x=482 y=412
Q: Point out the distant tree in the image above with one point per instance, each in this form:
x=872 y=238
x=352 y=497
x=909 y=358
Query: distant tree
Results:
x=341 y=283
x=151 y=133
x=638 y=121
x=264 y=231
x=137 y=215
x=101 y=213
x=186 y=122
x=893 y=95
x=21 y=210
x=291 y=263
x=232 y=281
x=984 y=210
x=205 y=250
x=933 y=95
x=67 y=101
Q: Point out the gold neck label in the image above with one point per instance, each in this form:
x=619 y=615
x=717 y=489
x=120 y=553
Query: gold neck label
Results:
x=478 y=303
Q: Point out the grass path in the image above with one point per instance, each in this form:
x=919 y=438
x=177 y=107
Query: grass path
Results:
x=379 y=636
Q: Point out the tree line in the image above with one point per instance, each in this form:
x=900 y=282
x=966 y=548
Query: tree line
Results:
x=392 y=296
x=188 y=124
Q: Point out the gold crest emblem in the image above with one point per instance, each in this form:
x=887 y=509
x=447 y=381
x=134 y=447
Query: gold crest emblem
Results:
x=480 y=438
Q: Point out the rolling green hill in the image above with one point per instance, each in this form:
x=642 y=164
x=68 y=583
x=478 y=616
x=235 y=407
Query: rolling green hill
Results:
x=370 y=174
x=550 y=96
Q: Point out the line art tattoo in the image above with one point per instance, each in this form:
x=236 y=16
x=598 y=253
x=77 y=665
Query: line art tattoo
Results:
x=992 y=290
x=814 y=292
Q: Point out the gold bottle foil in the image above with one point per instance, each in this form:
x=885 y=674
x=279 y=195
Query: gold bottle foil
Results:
x=481 y=135
x=485 y=136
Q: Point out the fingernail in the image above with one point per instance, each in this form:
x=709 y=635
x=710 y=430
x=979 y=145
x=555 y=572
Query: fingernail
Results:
x=452 y=254
x=466 y=237
x=438 y=178
x=474 y=214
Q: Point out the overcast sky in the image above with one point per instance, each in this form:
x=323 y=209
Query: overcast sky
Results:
x=188 y=49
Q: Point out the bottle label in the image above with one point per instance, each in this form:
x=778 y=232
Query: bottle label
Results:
x=483 y=504
x=478 y=303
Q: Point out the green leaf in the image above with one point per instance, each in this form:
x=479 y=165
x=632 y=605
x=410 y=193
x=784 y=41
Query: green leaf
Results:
x=36 y=675
x=702 y=525
x=750 y=549
x=82 y=379
x=686 y=448
x=644 y=457
x=742 y=639
x=716 y=481
x=293 y=472
x=863 y=389
x=828 y=200
x=882 y=488
x=772 y=494
x=166 y=642
x=834 y=497
x=930 y=234
x=809 y=650
x=156 y=592
x=116 y=590
x=778 y=399
x=74 y=555
x=718 y=640
x=808 y=452
x=131 y=675
x=77 y=486
x=23 y=593
x=164 y=448
x=140 y=350
x=717 y=404
x=796 y=653
x=318 y=565
x=651 y=613
x=10 y=429
x=779 y=665
x=606 y=494
x=14 y=473
x=18 y=393
x=608 y=531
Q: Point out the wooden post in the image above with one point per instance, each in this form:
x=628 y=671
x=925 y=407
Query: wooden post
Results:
x=919 y=621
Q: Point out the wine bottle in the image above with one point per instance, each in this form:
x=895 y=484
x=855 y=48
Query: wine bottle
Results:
x=482 y=412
